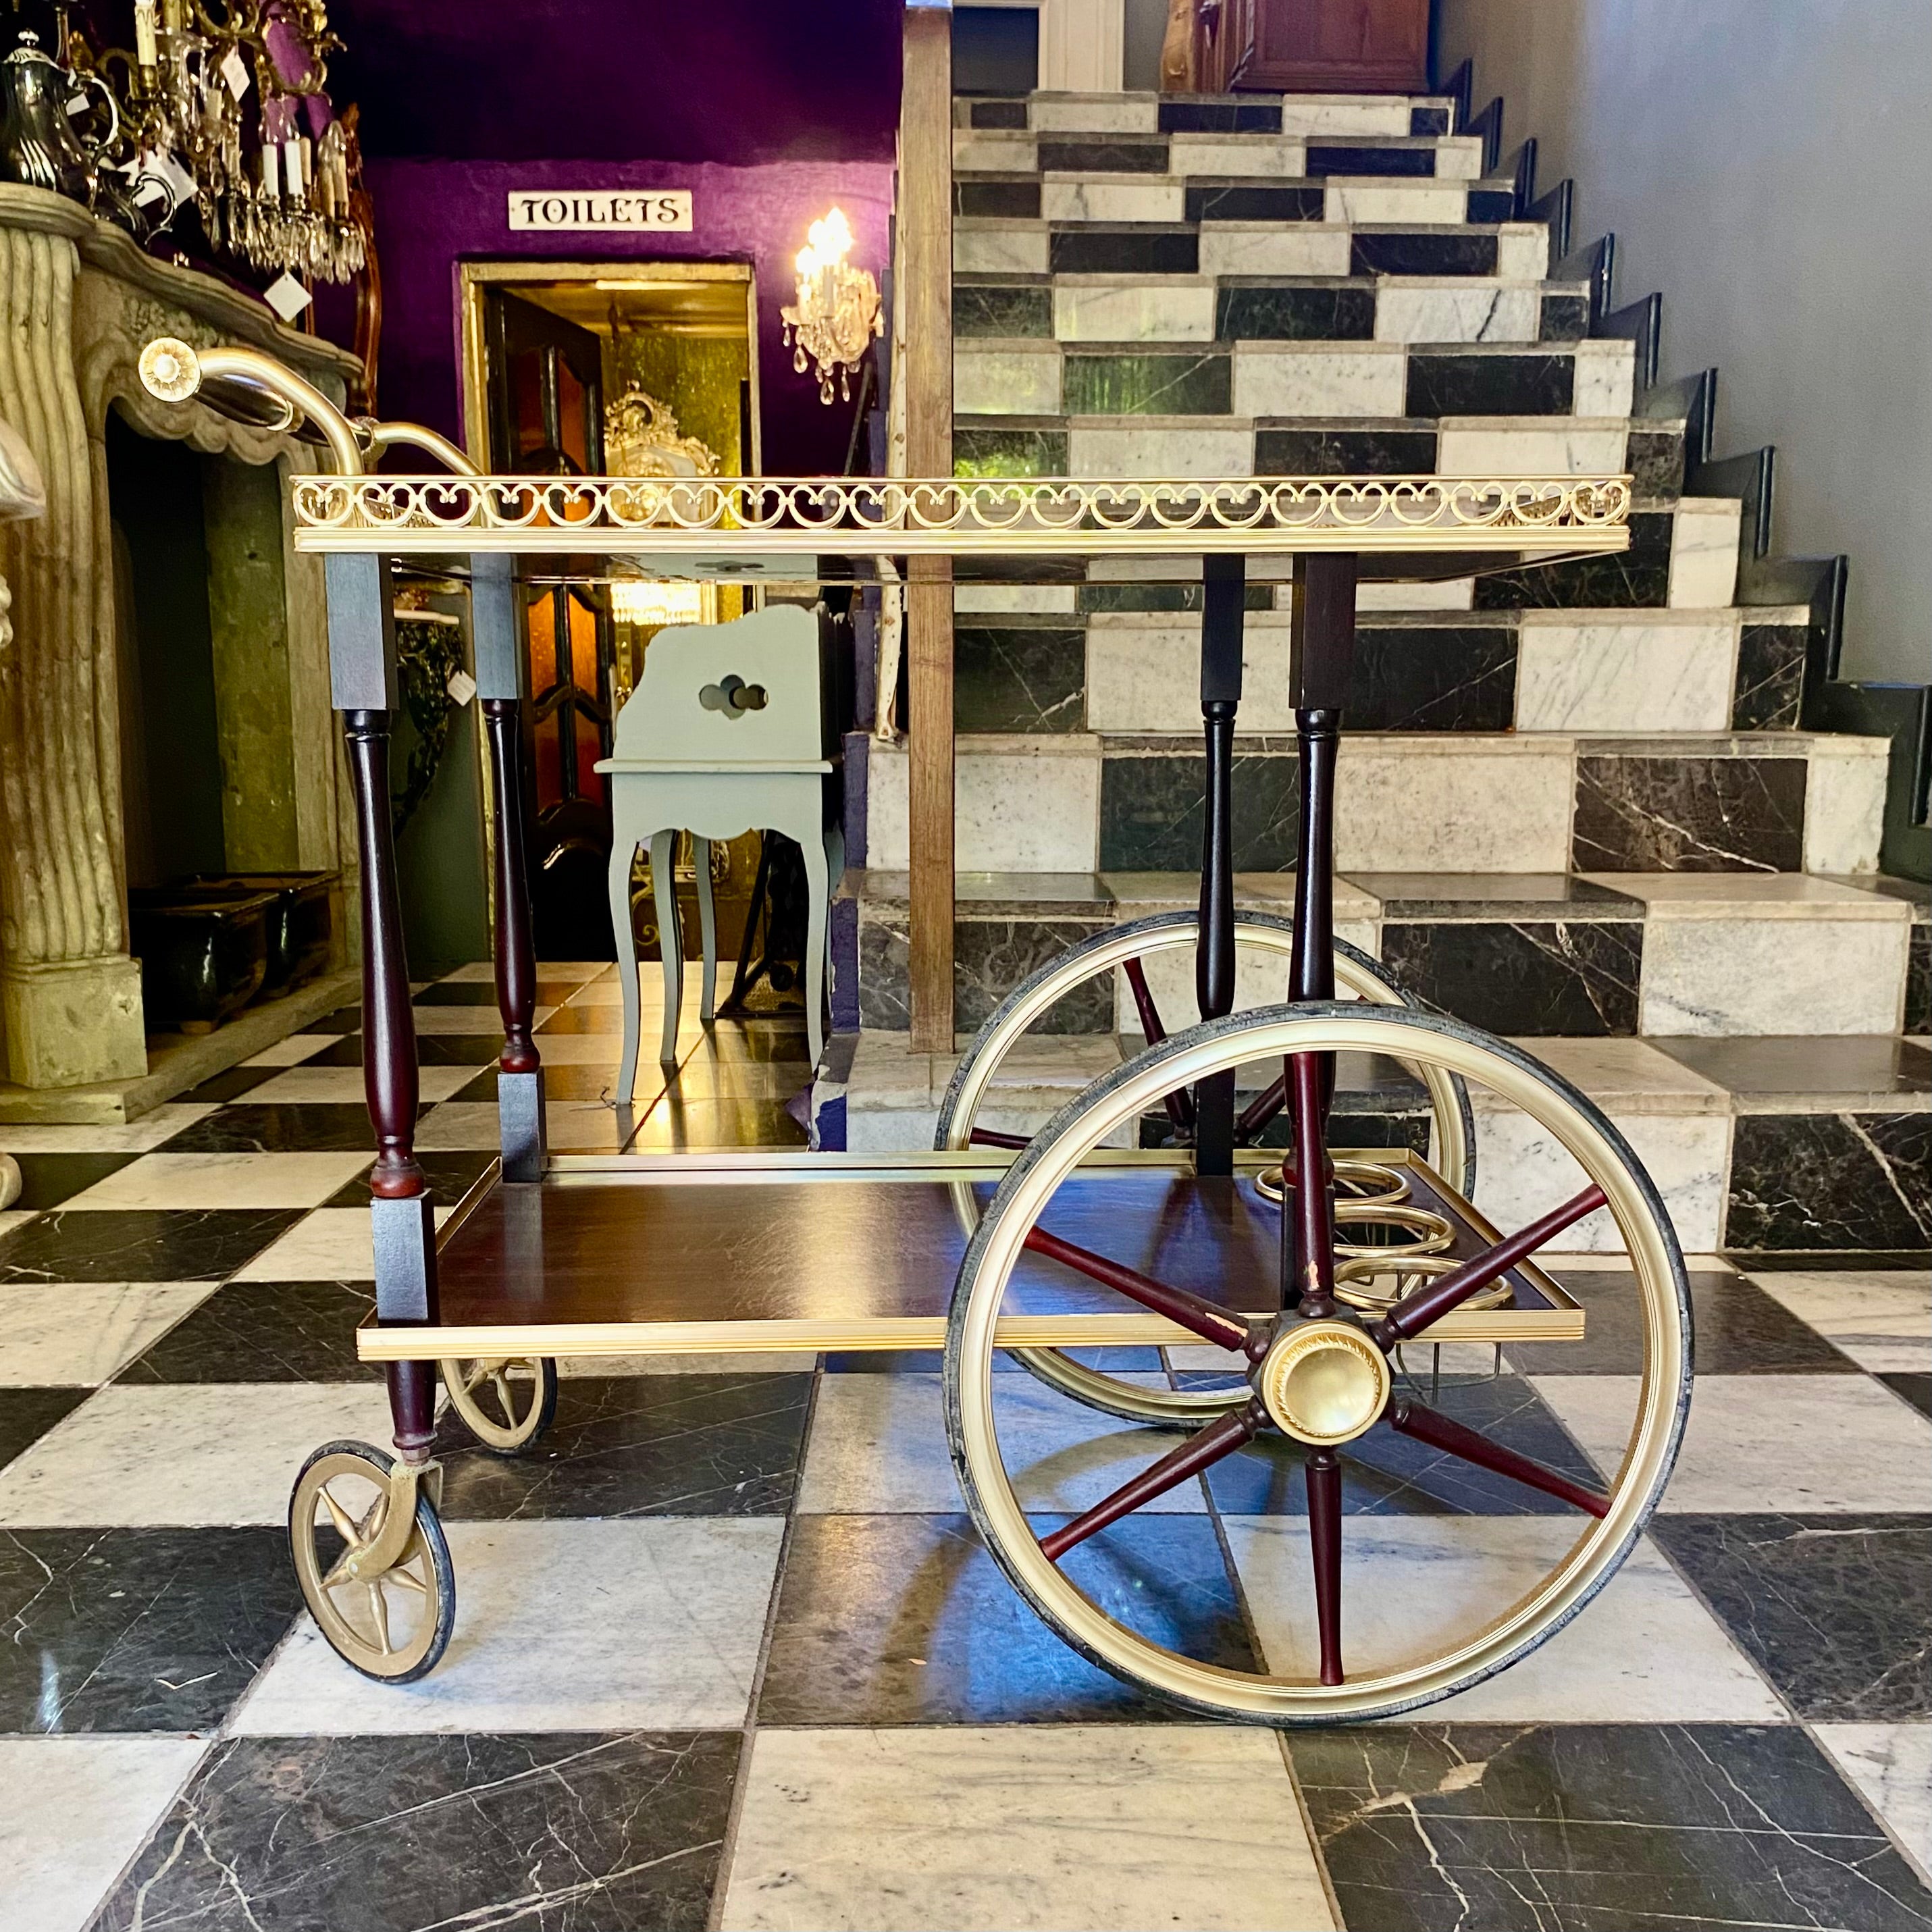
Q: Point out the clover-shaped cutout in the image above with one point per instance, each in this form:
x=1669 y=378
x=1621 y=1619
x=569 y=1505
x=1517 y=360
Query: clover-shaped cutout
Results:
x=734 y=697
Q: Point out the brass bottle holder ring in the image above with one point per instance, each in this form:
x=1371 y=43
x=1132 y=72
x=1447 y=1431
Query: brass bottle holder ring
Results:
x=1431 y=1232
x=1382 y=1185
x=1407 y=1271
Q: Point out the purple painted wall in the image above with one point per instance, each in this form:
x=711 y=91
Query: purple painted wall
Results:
x=432 y=215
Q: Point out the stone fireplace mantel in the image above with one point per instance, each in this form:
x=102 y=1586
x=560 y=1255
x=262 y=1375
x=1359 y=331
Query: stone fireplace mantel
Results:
x=78 y=299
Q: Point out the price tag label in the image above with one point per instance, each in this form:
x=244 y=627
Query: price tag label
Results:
x=461 y=686
x=287 y=296
x=234 y=71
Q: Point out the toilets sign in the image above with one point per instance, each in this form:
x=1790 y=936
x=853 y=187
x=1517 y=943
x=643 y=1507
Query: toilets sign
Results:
x=667 y=209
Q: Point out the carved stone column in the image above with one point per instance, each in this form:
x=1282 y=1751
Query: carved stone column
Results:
x=71 y=996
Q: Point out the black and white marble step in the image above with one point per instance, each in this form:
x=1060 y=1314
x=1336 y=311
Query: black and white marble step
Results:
x=1513 y=250
x=1748 y=804
x=1589 y=381
x=1065 y=190
x=1379 y=117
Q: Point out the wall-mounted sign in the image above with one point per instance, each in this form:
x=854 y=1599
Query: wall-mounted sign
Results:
x=601 y=208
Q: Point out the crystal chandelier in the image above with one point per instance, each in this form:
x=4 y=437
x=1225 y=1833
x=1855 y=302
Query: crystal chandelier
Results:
x=837 y=314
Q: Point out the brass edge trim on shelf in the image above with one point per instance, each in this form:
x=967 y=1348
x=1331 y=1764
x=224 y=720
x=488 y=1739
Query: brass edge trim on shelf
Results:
x=473 y=1197
x=726 y=521
x=374 y=1343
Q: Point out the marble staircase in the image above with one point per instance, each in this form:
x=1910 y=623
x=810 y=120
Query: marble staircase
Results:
x=1583 y=805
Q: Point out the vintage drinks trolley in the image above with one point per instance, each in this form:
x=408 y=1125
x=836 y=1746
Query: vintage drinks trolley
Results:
x=1144 y=1214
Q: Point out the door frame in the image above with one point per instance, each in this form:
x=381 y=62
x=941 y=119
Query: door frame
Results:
x=475 y=277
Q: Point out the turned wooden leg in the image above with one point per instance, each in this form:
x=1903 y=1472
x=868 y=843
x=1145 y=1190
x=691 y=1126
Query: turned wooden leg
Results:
x=520 y=1092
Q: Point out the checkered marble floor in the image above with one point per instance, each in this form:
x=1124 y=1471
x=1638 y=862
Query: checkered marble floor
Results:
x=727 y=1653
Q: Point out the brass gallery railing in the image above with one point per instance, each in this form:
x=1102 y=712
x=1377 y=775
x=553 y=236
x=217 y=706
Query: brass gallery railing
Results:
x=764 y=517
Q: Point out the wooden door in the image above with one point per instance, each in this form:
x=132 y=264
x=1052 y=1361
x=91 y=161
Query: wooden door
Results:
x=546 y=403
x=1324 y=47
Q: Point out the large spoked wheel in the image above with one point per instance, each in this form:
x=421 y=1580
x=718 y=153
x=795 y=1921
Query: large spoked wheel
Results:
x=506 y=1402
x=1326 y=1387
x=1124 y=949
x=391 y=1622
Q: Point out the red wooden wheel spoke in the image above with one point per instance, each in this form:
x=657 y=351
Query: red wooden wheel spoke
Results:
x=1221 y=1437
x=987 y=1137
x=1200 y=1317
x=1260 y=1111
x=1441 y=1432
x=1324 y=1543
x=1415 y=1312
x=1180 y=1104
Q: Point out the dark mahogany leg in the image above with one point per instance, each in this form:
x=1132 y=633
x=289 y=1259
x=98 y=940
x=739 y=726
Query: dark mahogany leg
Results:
x=1223 y=587
x=1180 y=1103
x=404 y=1226
x=1324 y=1543
x=500 y=675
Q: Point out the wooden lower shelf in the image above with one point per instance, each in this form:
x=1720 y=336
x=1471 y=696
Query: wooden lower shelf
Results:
x=753 y=1253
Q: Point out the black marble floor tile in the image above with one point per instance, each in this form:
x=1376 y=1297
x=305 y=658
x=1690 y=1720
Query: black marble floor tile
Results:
x=1563 y=318
x=1440 y=251
x=1008 y=678
x=302 y=1127
x=980 y=451
x=1428 y=120
x=1916 y=1389
x=140 y=1244
x=1295 y=312
x=1770 y=688
x=1253 y=201
x=906 y=1620
x=1736 y=1330
x=1486 y=205
x=998 y=114
x=1597 y=1828
x=1208 y=116
x=1429 y=677
x=1285 y=450
x=1002 y=310
x=1103 y=155
x=640 y=1445
x=1146 y=249
x=265 y=1331
x=461 y=993
x=230 y=1084
x=990 y=957
x=1859 y=1181
x=26 y=1414
x=1574 y=977
x=46 y=1180
x=137 y=1630
x=1638 y=577
x=1689 y=814
x=1835 y=1610
x=1152 y=807
x=1531 y=384
x=1134 y=383
x=1655 y=458
x=451 y=1176
x=558 y=1831
x=1383 y=1474
x=1336 y=158
x=1015 y=197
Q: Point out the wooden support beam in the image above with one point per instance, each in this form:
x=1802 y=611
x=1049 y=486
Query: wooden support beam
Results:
x=925 y=287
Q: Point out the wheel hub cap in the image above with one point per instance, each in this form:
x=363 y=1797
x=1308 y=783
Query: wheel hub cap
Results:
x=1324 y=1382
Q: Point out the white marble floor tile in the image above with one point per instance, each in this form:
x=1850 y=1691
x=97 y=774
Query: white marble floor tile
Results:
x=77 y=1809
x=478 y=1020
x=568 y=1626
x=213 y=1180
x=330 y=1244
x=76 y=1334
x=1713 y=977
x=139 y=1136
x=1076 y=1828
x=604 y=1049
x=343 y=1085
x=1646 y=1652
x=184 y=1454
x=459 y=1127
x=1807 y=1444
x=1845 y=781
x=1132 y=311
x=483 y=973
x=292 y=1050
x=1882 y=1319
x=1891 y=1764
x=878 y=1446
x=1629 y=1076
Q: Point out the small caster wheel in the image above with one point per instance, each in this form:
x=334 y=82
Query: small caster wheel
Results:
x=389 y=1619
x=506 y=1402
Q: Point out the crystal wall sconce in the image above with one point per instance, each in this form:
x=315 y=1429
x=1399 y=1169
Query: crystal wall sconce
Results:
x=837 y=314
